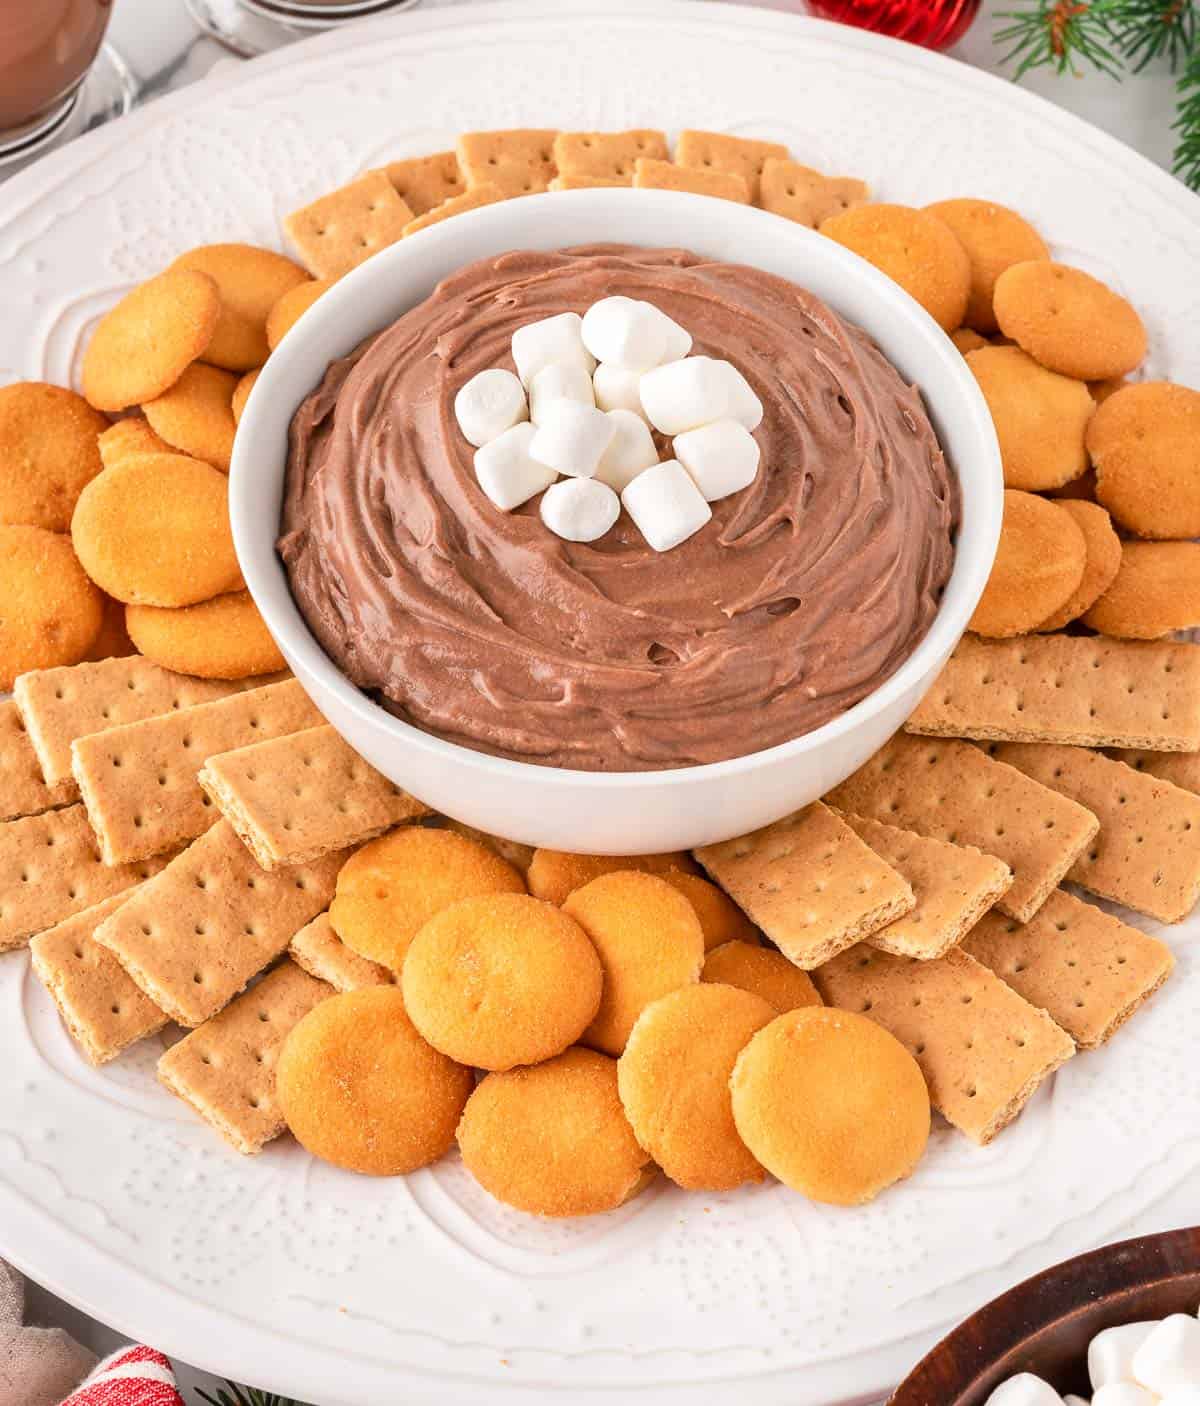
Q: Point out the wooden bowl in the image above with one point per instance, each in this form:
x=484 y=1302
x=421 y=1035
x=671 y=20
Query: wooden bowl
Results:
x=1045 y=1324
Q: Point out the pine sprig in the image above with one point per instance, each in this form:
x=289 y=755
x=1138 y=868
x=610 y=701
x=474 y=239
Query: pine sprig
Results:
x=1187 y=124
x=1155 y=29
x=1060 y=34
x=243 y=1396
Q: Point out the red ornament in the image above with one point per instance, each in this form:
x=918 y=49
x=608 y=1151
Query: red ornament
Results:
x=936 y=24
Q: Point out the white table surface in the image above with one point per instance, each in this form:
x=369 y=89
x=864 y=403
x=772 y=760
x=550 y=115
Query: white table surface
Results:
x=158 y=40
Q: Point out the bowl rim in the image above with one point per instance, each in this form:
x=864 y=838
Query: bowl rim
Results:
x=309 y=661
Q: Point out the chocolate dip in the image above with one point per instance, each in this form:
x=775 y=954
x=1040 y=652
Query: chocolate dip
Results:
x=804 y=592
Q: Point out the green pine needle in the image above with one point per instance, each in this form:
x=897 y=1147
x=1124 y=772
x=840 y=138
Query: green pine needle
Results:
x=244 y=1396
x=1187 y=124
x=1061 y=34
x=1147 y=30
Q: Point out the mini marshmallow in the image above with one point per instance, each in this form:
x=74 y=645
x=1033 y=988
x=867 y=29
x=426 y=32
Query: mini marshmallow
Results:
x=1124 y=1394
x=1024 y=1390
x=571 y=438
x=625 y=332
x=1110 y=1353
x=630 y=450
x=617 y=389
x=666 y=506
x=679 y=339
x=580 y=509
x=683 y=395
x=538 y=344
x=745 y=406
x=721 y=458
x=488 y=404
x=505 y=471
x=1169 y=1357
x=561 y=380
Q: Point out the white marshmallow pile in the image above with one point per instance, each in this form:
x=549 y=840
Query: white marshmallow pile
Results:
x=587 y=392
x=1136 y=1364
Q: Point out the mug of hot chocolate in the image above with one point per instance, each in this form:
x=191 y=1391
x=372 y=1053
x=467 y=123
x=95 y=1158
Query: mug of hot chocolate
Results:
x=46 y=49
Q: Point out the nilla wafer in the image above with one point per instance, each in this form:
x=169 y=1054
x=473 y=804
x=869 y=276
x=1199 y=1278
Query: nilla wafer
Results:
x=195 y=416
x=995 y=238
x=292 y=306
x=250 y=282
x=360 y=1088
x=51 y=612
x=763 y=971
x=1145 y=443
x=222 y=638
x=1039 y=565
x=1103 y=560
x=721 y=920
x=132 y=435
x=1155 y=591
x=555 y=874
x=154 y=530
x=241 y=394
x=48 y=453
x=831 y=1104
x=552 y=1139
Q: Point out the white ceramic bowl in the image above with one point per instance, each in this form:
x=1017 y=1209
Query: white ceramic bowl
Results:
x=627 y=812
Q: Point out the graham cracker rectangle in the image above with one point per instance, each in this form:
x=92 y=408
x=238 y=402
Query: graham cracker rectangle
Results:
x=649 y=174
x=587 y=183
x=50 y=869
x=1179 y=768
x=23 y=789
x=983 y=1049
x=1087 y=969
x=424 y=182
x=955 y=792
x=954 y=886
x=607 y=156
x=60 y=705
x=340 y=230
x=1081 y=690
x=810 y=883
x=738 y=156
x=139 y=781
x=323 y=954
x=195 y=935
x=102 y=1008
x=457 y=205
x=226 y=1068
x=302 y=796
x=519 y=161
x=799 y=193
x=1147 y=854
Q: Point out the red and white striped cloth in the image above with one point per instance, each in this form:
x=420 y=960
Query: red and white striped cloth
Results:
x=133 y=1376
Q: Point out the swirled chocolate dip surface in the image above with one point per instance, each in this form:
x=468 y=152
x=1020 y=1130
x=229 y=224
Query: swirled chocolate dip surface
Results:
x=804 y=592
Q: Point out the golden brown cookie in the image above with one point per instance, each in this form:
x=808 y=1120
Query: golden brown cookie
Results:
x=222 y=638
x=1145 y=443
x=995 y=238
x=154 y=530
x=241 y=393
x=968 y=341
x=763 y=971
x=552 y=1139
x=721 y=920
x=649 y=940
x=1040 y=417
x=674 y=1083
x=1069 y=321
x=292 y=306
x=1156 y=591
x=50 y=613
x=48 y=453
x=390 y=888
x=501 y=980
x=831 y=1104
x=1039 y=565
x=915 y=250
x=143 y=346
x=358 y=1087
x=132 y=435
x=196 y=415
x=554 y=874
x=517 y=854
x=1103 y=559
x=250 y=282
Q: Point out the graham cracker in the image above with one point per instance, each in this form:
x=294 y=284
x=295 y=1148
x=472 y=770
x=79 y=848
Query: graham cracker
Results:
x=953 y=791
x=104 y=1011
x=519 y=161
x=424 y=182
x=1147 y=854
x=337 y=232
x=226 y=1068
x=665 y=175
x=50 y=869
x=954 y=886
x=323 y=954
x=1179 y=768
x=23 y=789
x=607 y=156
x=587 y=183
x=60 y=705
x=799 y=193
x=1083 y=690
x=458 y=205
x=809 y=883
x=1087 y=969
x=303 y=796
x=139 y=781
x=195 y=935
x=737 y=156
x=983 y=1049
